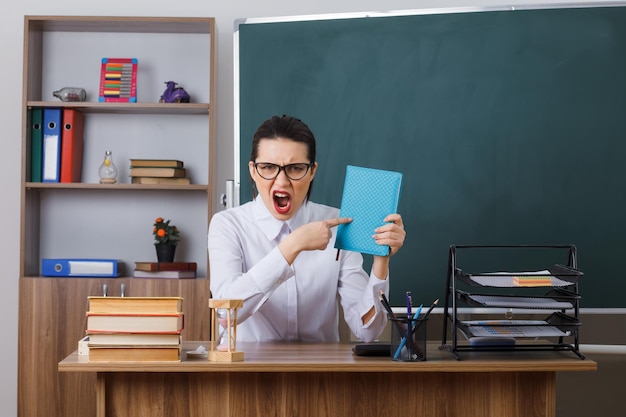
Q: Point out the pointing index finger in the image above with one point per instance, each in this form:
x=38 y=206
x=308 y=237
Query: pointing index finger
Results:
x=337 y=221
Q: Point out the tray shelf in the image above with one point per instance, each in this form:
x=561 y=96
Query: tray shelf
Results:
x=553 y=289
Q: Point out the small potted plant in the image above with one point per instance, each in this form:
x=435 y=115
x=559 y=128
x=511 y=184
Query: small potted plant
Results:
x=166 y=237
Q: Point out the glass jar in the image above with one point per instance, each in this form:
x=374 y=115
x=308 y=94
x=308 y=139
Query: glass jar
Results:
x=70 y=94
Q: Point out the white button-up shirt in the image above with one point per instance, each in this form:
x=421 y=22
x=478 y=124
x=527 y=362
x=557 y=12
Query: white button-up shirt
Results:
x=285 y=302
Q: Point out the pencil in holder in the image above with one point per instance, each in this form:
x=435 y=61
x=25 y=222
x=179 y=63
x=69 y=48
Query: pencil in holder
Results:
x=408 y=339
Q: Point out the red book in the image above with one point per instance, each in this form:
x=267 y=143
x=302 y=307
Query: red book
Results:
x=71 y=146
x=166 y=266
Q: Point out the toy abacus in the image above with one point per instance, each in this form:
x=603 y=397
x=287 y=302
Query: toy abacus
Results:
x=118 y=80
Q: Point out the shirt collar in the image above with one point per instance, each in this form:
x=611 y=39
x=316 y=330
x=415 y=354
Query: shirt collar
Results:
x=270 y=226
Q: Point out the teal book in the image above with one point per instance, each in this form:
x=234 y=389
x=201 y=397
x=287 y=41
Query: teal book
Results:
x=369 y=195
x=36 y=144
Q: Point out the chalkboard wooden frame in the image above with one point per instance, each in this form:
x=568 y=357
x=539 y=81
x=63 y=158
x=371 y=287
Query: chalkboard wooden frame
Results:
x=507 y=123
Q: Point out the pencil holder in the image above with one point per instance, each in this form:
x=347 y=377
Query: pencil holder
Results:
x=408 y=339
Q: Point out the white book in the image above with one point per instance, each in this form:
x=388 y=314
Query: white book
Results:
x=128 y=339
x=134 y=323
x=164 y=274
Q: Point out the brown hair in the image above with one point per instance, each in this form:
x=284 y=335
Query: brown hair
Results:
x=286 y=127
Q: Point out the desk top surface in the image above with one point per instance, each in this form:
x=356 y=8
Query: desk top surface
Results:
x=338 y=357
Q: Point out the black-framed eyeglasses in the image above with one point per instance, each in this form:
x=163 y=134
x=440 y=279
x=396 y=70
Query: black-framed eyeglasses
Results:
x=294 y=172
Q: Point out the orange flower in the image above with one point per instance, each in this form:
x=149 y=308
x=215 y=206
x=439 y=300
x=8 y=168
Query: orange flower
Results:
x=164 y=233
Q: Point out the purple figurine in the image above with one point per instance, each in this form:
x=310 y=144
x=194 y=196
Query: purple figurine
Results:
x=174 y=94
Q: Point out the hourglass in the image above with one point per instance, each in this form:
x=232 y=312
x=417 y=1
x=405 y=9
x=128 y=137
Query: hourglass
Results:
x=223 y=315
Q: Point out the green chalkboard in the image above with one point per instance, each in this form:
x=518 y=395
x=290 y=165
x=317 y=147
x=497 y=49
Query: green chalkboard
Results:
x=509 y=127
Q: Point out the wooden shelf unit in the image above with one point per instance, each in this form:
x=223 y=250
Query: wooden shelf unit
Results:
x=89 y=219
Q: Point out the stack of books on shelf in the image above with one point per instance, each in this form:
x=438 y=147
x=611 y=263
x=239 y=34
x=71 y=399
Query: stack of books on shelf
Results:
x=165 y=269
x=158 y=171
x=134 y=329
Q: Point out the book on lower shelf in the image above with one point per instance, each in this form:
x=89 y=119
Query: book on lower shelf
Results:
x=131 y=339
x=158 y=163
x=159 y=172
x=162 y=180
x=134 y=323
x=165 y=266
x=135 y=305
x=135 y=354
x=164 y=274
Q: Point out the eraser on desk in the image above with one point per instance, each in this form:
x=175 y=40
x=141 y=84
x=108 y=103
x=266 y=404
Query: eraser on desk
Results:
x=372 y=349
x=492 y=341
x=83 y=346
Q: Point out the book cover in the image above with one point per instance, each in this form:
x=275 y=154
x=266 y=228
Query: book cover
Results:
x=36 y=144
x=135 y=354
x=130 y=339
x=153 y=180
x=164 y=274
x=137 y=305
x=369 y=195
x=72 y=146
x=166 y=266
x=157 y=172
x=118 y=80
x=163 y=163
x=135 y=323
x=51 y=154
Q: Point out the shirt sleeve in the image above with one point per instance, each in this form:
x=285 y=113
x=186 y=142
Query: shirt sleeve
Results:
x=228 y=280
x=358 y=294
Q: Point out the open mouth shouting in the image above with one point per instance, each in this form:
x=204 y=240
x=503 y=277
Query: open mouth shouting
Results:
x=282 y=201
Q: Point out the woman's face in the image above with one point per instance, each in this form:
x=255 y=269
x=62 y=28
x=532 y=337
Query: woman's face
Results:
x=281 y=195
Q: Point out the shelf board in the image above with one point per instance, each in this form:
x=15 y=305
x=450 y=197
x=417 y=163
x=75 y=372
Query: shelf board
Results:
x=131 y=187
x=127 y=108
x=122 y=24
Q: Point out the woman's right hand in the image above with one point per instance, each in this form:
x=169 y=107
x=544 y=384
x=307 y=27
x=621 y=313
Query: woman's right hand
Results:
x=311 y=236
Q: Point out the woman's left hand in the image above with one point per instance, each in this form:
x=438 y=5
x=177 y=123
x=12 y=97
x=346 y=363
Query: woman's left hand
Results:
x=391 y=234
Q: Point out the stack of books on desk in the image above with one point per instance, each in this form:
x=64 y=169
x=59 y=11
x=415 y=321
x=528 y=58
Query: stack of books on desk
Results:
x=158 y=171
x=165 y=270
x=134 y=329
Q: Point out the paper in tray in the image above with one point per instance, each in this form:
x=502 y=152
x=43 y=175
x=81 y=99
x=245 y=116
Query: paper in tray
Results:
x=519 y=302
x=506 y=279
x=513 y=328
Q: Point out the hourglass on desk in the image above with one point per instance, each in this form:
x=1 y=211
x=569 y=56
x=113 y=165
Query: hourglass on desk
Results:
x=223 y=313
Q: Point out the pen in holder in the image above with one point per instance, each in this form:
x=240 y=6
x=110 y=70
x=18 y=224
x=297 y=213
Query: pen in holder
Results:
x=408 y=339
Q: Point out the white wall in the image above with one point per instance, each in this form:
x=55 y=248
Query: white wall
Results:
x=226 y=12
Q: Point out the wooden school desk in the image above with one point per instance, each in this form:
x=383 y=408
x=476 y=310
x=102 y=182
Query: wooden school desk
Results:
x=317 y=380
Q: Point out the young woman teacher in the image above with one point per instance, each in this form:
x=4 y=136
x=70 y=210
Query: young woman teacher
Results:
x=277 y=251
